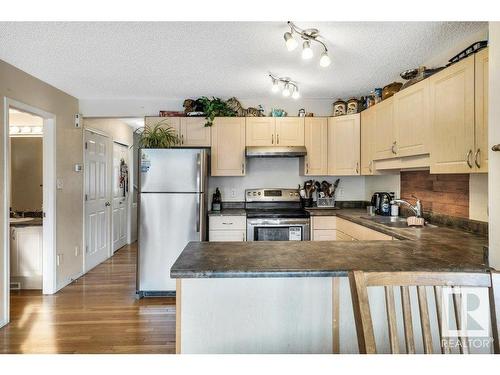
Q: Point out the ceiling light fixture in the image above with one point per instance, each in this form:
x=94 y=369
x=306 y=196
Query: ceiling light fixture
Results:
x=309 y=35
x=289 y=87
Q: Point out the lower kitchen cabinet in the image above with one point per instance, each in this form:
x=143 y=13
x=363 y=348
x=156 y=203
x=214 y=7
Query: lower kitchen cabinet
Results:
x=228 y=146
x=227 y=228
x=26 y=244
x=333 y=228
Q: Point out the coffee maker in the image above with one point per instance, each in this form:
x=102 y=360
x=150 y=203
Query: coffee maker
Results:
x=382 y=203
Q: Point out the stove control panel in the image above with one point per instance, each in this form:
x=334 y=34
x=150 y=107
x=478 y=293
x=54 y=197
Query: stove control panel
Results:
x=272 y=195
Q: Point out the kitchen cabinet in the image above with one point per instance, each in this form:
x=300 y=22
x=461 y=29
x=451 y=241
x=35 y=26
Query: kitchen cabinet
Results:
x=290 y=131
x=191 y=130
x=228 y=146
x=333 y=228
x=275 y=131
x=385 y=130
x=344 y=145
x=452 y=118
x=367 y=141
x=194 y=132
x=260 y=131
x=227 y=228
x=26 y=244
x=412 y=120
x=316 y=141
x=481 y=112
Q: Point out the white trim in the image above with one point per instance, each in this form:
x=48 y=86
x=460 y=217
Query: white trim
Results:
x=49 y=197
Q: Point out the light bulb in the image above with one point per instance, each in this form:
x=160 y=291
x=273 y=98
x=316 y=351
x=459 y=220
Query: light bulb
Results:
x=307 y=52
x=14 y=130
x=25 y=129
x=276 y=86
x=37 y=129
x=295 y=94
x=286 y=90
x=290 y=41
x=325 y=60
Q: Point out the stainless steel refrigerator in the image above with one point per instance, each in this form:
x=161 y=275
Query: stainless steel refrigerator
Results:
x=172 y=212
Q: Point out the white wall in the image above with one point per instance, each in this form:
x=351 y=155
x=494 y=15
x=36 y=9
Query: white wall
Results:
x=280 y=173
x=494 y=138
x=478 y=197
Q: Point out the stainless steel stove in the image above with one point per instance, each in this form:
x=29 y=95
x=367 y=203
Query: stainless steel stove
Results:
x=276 y=215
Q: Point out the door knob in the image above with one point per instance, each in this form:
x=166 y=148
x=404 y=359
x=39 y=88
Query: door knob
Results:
x=496 y=148
x=107 y=204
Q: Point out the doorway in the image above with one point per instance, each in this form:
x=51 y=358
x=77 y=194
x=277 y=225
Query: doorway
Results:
x=120 y=220
x=29 y=255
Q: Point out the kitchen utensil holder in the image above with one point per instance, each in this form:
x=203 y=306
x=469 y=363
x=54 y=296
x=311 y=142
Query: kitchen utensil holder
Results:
x=307 y=202
x=326 y=202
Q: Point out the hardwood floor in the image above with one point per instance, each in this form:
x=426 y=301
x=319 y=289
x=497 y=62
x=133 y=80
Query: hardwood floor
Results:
x=97 y=313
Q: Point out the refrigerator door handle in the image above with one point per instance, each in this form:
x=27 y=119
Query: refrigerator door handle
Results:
x=198 y=213
x=198 y=171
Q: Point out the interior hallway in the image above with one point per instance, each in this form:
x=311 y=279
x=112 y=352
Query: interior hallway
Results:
x=97 y=313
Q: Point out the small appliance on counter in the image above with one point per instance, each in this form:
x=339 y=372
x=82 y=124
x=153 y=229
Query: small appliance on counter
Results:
x=216 y=200
x=382 y=203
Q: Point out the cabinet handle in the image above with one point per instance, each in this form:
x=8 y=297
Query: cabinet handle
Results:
x=277 y=139
x=242 y=168
x=307 y=167
x=370 y=166
x=393 y=148
x=476 y=160
x=272 y=139
x=357 y=167
x=243 y=236
x=469 y=154
x=227 y=223
x=182 y=139
x=496 y=148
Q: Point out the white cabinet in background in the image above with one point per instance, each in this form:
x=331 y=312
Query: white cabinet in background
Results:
x=227 y=228
x=26 y=256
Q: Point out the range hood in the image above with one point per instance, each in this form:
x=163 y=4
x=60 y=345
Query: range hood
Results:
x=275 y=151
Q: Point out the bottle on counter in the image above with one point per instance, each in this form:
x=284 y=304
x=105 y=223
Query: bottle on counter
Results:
x=216 y=200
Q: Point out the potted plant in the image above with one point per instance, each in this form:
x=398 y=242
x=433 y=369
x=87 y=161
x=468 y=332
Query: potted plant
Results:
x=160 y=135
x=215 y=107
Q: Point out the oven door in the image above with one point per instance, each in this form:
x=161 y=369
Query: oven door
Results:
x=263 y=229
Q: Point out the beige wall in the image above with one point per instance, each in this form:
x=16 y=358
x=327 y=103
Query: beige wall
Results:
x=26 y=173
x=116 y=128
x=20 y=86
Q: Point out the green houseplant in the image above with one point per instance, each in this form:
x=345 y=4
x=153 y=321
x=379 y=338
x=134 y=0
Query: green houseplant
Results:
x=160 y=135
x=215 y=107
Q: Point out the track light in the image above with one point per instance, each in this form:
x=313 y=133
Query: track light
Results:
x=290 y=87
x=324 y=61
x=290 y=41
x=307 y=52
x=308 y=35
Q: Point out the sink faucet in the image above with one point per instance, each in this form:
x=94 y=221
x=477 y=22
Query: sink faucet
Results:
x=417 y=209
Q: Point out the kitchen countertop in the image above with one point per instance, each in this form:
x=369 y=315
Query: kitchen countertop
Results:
x=37 y=221
x=228 y=212
x=418 y=249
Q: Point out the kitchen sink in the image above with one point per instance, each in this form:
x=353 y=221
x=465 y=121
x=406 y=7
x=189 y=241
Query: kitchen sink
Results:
x=393 y=222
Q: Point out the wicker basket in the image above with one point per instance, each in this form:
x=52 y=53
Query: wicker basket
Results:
x=326 y=202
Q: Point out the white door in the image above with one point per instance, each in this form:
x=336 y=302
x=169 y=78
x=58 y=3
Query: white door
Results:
x=120 y=195
x=97 y=199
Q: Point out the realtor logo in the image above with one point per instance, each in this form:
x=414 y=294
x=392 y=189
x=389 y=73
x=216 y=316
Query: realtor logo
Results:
x=473 y=312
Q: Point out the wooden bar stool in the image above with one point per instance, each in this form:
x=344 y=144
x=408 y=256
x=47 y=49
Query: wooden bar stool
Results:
x=361 y=281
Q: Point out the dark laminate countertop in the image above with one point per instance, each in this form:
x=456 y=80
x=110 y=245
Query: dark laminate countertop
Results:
x=418 y=249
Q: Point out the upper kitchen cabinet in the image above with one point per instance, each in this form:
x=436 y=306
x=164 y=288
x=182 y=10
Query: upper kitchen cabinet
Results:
x=344 y=145
x=173 y=122
x=260 y=131
x=316 y=134
x=452 y=118
x=228 y=146
x=194 y=132
x=386 y=134
x=412 y=120
x=289 y=131
x=367 y=141
x=481 y=112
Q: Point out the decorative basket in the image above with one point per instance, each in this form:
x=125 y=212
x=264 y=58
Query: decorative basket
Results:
x=326 y=202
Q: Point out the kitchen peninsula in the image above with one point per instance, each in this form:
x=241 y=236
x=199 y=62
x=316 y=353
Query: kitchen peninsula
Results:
x=294 y=297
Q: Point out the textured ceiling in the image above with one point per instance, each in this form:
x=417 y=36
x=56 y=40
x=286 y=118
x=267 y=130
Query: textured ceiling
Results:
x=182 y=59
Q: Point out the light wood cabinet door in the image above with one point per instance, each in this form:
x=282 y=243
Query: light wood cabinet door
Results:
x=228 y=146
x=344 y=145
x=385 y=131
x=367 y=140
x=481 y=112
x=260 y=131
x=316 y=140
x=194 y=132
x=290 y=131
x=412 y=120
x=173 y=122
x=452 y=118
